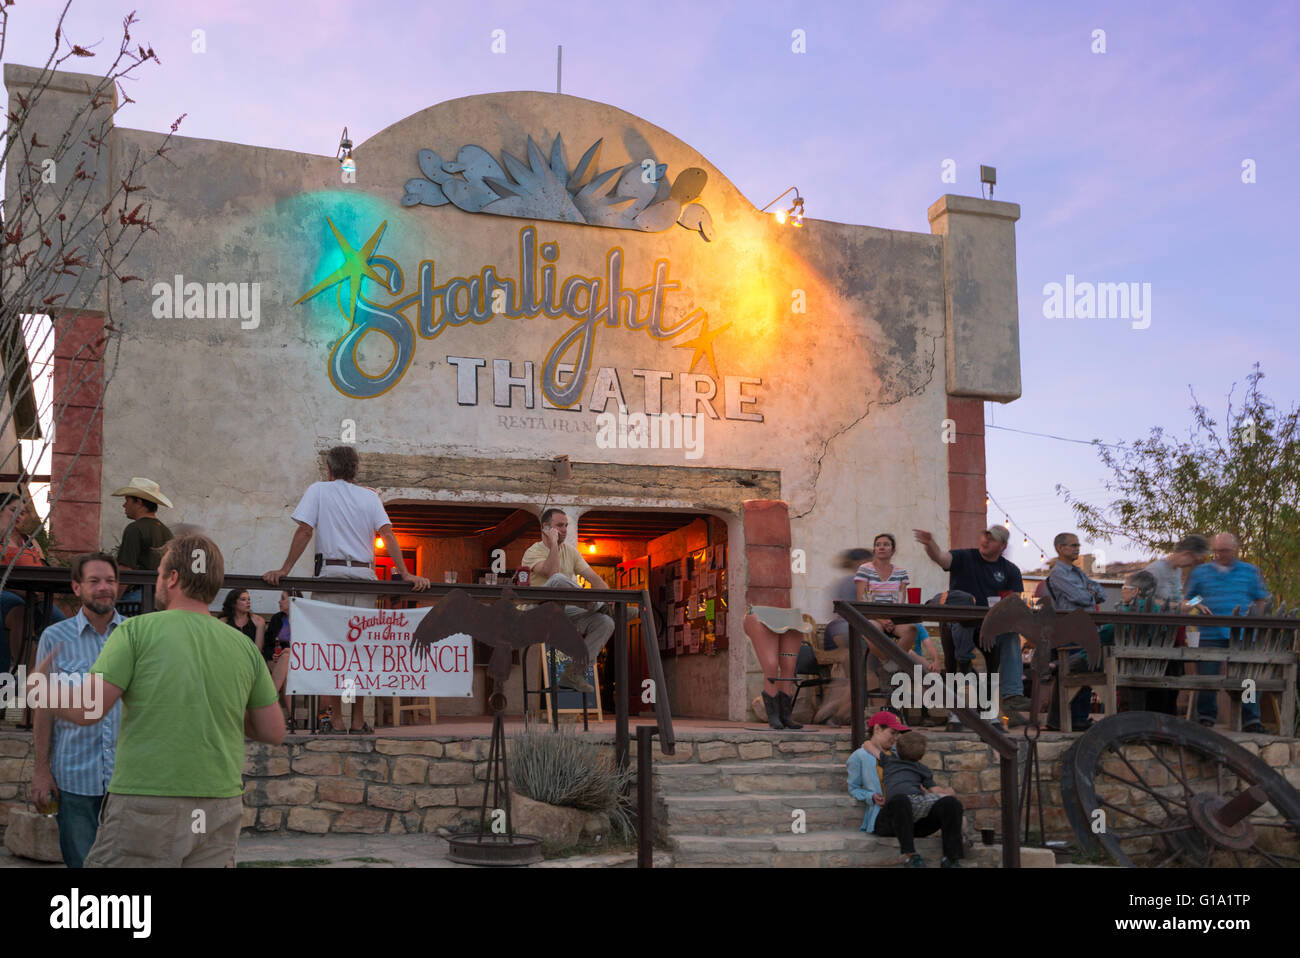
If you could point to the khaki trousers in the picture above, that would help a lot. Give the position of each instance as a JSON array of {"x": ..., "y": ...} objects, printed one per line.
[{"x": 164, "y": 831}]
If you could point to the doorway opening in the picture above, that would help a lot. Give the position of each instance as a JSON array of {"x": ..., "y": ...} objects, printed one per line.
[{"x": 679, "y": 557}]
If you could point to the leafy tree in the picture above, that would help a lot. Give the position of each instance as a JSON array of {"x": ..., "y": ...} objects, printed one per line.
[{"x": 1242, "y": 478}]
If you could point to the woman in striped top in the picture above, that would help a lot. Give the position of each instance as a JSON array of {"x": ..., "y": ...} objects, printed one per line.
[{"x": 881, "y": 581}]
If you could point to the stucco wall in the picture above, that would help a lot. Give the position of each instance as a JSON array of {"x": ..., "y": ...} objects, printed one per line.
[{"x": 843, "y": 326}]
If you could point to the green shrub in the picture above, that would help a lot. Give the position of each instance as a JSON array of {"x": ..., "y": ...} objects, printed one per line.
[{"x": 559, "y": 769}]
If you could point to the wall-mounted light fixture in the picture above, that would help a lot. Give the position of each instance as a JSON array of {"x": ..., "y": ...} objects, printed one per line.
[
  {"x": 344, "y": 153},
  {"x": 792, "y": 215},
  {"x": 562, "y": 468}
]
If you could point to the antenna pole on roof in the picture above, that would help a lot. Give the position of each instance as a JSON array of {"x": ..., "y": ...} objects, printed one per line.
[{"x": 559, "y": 62}]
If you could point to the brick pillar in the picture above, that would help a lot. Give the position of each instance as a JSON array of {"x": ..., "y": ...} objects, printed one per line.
[
  {"x": 767, "y": 552},
  {"x": 77, "y": 463},
  {"x": 967, "y": 483}
]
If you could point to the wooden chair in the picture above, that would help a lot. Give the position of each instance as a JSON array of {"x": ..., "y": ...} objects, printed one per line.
[
  {"x": 1067, "y": 681},
  {"x": 418, "y": 705}
]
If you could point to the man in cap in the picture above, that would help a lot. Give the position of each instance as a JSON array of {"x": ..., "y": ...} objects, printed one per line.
[
  {"x": 988, "y": 575},
  {"x": 145, "y": 535}
]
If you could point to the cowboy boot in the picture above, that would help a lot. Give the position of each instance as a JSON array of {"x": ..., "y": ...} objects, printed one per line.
[
  {"x": 770, "y": 704},
  {"x": 786, "y": 705}
]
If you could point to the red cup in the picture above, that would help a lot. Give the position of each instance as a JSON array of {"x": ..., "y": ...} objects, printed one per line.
[{"x": 914, "y": 596}]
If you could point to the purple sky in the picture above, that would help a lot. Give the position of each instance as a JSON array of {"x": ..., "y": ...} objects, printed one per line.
[{"x": 1127, "y": 164}]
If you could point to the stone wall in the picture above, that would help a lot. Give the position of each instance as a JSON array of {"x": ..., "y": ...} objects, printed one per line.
[{"x": 403, "y": 785}]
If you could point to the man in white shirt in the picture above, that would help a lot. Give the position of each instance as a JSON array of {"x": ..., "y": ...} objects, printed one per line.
[
  {"x": 345, "y": 519},
  {"x": 556, "y": 564}
]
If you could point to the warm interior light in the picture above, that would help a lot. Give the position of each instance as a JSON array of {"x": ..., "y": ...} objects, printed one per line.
[
  {"x": 591, "y": 548},
  {"x": 379, "y": 544}
]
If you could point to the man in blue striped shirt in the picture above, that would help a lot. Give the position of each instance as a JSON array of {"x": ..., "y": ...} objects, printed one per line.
[
  {"x": 75, "y": 762},
  {"x": 1224, "y": 585}
]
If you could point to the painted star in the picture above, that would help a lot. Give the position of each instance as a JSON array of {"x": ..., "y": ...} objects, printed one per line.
[
  {"x": 356, "y": 265},
  {"x": 703, "y": 346}
]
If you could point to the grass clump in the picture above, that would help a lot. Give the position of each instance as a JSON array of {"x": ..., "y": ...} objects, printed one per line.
[{"x": 559, "y": 769}]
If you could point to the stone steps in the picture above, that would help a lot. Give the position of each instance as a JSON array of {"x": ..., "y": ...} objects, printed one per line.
[
  {"x": 726, "y": 813},
  {"x": 837, "y": 848},
  {"x": 774, "y": 778},
  {"x": 757, "y": 745}
]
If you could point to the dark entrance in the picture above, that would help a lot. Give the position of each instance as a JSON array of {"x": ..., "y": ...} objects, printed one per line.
[{"x": 679, "y": 557}]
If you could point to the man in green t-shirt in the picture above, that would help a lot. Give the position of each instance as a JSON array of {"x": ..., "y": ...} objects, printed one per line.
[{"x": 191, "y": 689}]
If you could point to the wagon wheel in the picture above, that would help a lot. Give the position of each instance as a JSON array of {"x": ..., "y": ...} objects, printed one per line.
[{"x": 1174, "y": 794}]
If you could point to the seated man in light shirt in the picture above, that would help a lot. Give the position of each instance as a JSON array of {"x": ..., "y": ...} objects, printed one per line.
[
  {"x": 555, "y": 564},
  {"x": 1071, "y": 589}
]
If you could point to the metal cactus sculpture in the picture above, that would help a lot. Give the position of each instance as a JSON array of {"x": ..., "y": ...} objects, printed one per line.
[{"x": 638, "y": 196}]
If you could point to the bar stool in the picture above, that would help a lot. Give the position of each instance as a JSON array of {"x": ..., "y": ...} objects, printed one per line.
[
  {"x": 420, "y": 705},
  {"x": 547, "y": 679}
]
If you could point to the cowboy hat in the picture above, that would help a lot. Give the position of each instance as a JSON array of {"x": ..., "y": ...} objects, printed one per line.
[{"x": 144, "y": 489}]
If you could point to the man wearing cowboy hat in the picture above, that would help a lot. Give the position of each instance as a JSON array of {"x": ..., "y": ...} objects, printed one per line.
[{"x": 145, "y": 536}]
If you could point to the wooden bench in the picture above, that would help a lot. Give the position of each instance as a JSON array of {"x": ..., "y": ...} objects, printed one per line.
[{"x": 1267, "y": 656}]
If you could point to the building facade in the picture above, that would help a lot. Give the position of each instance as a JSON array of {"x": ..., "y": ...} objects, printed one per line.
[{"x": 515, "y": 278}]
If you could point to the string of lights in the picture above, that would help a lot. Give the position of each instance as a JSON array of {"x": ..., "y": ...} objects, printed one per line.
[{"x": 988, "y": 499}]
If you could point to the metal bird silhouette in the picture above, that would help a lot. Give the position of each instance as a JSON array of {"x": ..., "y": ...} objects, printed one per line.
[
  {"x": 500, "y": 626},
  {"x": 1047, "y": 631}
]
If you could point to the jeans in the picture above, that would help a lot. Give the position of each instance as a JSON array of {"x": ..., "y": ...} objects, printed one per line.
[
  {"x": 1011, "y": 673},
  {"x": 895, "y": 819},
  {"x": 1207, "y": 701},
  {"x": 78, "y": 820}
]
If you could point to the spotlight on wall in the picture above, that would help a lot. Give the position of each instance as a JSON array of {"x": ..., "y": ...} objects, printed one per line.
[
  {"x": 989, "y": 178},
  {"x": 344, "y": 153},
  {"x": 792, "y": 214}
]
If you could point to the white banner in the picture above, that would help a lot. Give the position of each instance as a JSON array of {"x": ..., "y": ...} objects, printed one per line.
[{"x": 337, "y": 649}]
